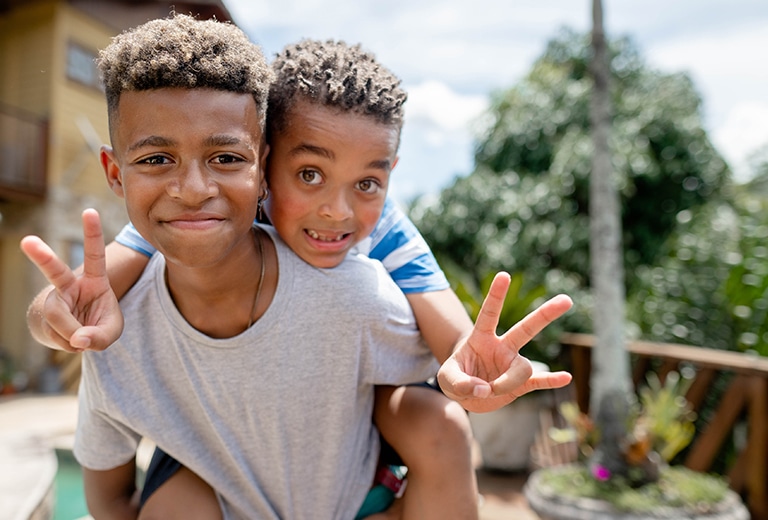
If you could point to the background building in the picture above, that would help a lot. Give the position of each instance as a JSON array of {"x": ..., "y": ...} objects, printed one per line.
[{"x": 52, "y": 122}]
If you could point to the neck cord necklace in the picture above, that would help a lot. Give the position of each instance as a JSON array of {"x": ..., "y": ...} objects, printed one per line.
[{"x": 261, "y": 277}]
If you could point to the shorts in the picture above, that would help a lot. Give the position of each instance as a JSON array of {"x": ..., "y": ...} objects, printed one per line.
[
  {"x": 389, "y": 481},
  {"x": 387, "y": 485}
]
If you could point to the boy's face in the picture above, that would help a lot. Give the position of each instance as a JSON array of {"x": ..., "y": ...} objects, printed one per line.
[
  {"x": 328, "y": 173},
  {"x": 189, "y": 164}
]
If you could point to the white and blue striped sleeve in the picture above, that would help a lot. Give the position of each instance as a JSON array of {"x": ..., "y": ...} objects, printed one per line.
[
  {"x": 131, "y": 238},
  {"x": 397, "y": 244}
]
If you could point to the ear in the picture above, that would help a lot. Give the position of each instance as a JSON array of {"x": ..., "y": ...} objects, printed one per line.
[
  {"x": 263, "y": 167},
  {"x": 112, "y": 170},
  {"x": 394, "y": 163},
  {"x": 263, "y": 157}
]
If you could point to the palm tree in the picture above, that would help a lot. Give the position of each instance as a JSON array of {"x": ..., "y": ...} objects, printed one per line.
[{"x": 610, "y": 380}]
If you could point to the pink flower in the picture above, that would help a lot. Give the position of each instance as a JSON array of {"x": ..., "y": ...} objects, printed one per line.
[{"x": 601, "y": 473}]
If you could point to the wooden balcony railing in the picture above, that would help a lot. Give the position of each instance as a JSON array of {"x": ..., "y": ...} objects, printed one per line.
[
  {"x": 745, "y": 400},
  {"x": 23, "y": 148}
]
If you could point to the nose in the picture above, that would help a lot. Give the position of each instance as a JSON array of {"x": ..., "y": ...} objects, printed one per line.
[
  {"x": 336, "y": 206},
  {"x": 192, "y": 185}
]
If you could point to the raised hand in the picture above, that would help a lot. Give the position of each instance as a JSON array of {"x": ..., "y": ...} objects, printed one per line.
[
  {"x": 487, "y": 371},
  {"x": 78, "y": 311}
]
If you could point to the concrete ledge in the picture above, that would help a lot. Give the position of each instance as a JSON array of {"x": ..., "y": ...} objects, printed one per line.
[
  {"x": 26, "y": 478},
  {"x": 30, "y": 427}
]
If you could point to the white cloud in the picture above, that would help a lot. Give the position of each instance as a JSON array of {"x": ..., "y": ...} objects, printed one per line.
[
  {"x": 725, "y": 66},
  {"x": 436, "y": 104},
  {"x": 744, "y": 131}
]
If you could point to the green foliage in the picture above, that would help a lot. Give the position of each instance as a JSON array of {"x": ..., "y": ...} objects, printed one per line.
[
  {"x": 681, "y": 299},
  {"x": 524, "y": 207},
  {"x": 667, "y": 417},
  {"x": 746, "y": 287},
  {"x": 660, "y": 422},
  {"x": 710, "y": 286}
]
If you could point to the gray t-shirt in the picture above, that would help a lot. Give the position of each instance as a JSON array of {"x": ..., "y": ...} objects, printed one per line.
[{"x": 276, "y": 419}]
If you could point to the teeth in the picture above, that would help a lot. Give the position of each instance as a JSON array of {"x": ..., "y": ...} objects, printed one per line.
[{"x": 314, "y": 235}]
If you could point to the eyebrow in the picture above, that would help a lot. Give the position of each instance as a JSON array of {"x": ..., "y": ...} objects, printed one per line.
[
  {"x": 152, "y": 140},
  {"x": 383, "y": 164},
  {"x": 160, "y": 142},
  {"x": 304, "y": 148},
  {"x": 311, "y": 149},
  {"x": 222, "y": 140}
]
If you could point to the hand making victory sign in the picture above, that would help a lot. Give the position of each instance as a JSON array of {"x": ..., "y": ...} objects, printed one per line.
[
  {"x": 80, "y": 309},
  {"x": 487, "y": 371}
]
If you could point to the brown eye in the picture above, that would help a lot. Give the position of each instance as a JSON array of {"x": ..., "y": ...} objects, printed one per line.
[
  {"x": 310, "y": 177},
  {"x": 155, "y": 160},
  {"x": 368, "y": 186}
]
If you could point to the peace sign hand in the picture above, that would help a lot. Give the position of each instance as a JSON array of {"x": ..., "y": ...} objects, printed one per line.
[
  {"x": 78, "y": 311},
  {"x": 487, "y": 371}
]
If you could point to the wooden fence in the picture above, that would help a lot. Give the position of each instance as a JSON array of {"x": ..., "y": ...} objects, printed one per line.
[{"x": 745, "y": 400}]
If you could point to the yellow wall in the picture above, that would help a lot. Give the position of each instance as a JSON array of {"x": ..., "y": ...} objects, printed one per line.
[
  {"x": 25, "y": 57},
  {"x": 77, "y": 110},
  {"x": 33, "y": 56}
]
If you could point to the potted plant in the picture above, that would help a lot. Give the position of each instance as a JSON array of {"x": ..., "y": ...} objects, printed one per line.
[{"x": 660, "y": 424}]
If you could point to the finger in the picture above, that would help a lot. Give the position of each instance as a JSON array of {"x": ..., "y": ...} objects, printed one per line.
[
  {"x": 511, "y": 381},
  {"x": 56, "y": 340},
  {"x": 549, "y": 380},
  {"x": 544, "y": 381},
  {"x": 95, "y": 262},
  {"x": 55, "y": 271},
  {"x": 527, "y": 328},
  {"x": 488, "y": 317}
]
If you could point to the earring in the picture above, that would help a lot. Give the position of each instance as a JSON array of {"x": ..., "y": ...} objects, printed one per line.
[{"x": 259, "y": 215}]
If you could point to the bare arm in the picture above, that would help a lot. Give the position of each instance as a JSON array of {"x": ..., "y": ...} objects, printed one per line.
[
  {"x": 124, "y": 267},
  {"x": 79, "y": 309},
  {"x": 442, "y": 320},
  {"x": 112, "y": 494}
]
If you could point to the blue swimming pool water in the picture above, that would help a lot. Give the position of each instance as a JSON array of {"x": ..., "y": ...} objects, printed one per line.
[{"x": 70, "y": 498}]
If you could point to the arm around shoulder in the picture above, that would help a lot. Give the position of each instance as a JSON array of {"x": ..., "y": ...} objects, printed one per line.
[{"x": 442, "y": 319}]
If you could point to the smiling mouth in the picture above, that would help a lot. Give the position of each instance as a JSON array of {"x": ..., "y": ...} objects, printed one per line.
[{"x": 326, "y": 238}]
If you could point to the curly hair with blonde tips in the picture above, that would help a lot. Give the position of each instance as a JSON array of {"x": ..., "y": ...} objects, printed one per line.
[
  {"x": 333, "y": 74},
  {"x": 181, "y": 51}
]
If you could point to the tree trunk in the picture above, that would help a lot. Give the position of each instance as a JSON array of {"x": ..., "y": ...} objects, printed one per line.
[{"x": 610, "y": 381}]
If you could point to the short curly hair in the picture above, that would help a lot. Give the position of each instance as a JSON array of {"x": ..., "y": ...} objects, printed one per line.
[
  {"x": 334, "y": 74},
  {"x": 184, "y": 52}
]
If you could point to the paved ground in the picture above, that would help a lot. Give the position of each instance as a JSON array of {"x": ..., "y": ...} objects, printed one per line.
[
  {"x": 31, "y": 425},
  {"x": 503, "y": 497}
]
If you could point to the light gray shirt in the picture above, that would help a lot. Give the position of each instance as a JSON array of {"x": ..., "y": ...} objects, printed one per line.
[{"x": 276, "y": 419}]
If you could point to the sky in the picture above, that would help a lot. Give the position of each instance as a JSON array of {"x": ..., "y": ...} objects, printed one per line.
[{"x": 453, "y": 54}]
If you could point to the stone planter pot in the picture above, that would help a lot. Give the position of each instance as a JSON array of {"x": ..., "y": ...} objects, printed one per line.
[
  {"x": 552, "y": 506},
  {"x": 505, "y": 436}
]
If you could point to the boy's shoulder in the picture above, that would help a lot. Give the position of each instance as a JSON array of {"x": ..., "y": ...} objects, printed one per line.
[
  {"x": 357, "y": 280},
  {"x": 154, "y": 269}
]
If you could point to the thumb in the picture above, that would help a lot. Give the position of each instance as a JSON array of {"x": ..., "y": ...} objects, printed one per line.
[
  {"x": 458, "y": 385},
  {"x": 100, "y": 336}
]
